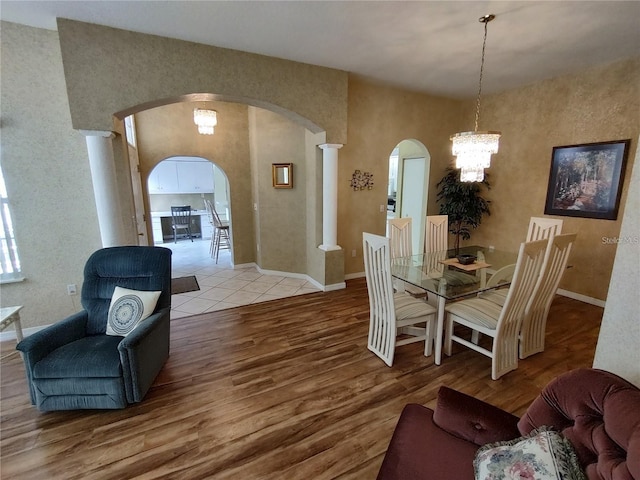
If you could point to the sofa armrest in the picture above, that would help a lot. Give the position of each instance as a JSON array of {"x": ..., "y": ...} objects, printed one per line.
[
  {"x": 473, "y": 420},
  {"x": 143, "y": 353},
  {"x": 41, "y": 343}
]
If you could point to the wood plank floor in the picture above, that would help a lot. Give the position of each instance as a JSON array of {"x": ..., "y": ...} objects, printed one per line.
[{"x": 279, "y": 390}]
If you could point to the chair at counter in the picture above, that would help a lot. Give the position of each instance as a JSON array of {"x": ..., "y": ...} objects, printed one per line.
[{"x": 181, "y": 221}]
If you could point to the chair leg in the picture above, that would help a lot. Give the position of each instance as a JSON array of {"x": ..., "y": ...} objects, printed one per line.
[
  {"x": 448, "y": 331},
  {"x": 216, "y": 244}
]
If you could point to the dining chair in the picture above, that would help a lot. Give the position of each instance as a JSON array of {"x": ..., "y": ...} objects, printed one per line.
[
  {"x": 395, "y": 319},
  {"x": 501, "y": 323},
  {"x": 542, "y": 227},
  {"x": 181, "y": 221},
  {"x": 436, "y": 239},
  {"x": 501, "y": 275},
  {"x": 436, "y": 233},
  {"x": 400, "y": 237},
  {"x": 400, "y": 241},
  {"x": 532, "y": 331}
]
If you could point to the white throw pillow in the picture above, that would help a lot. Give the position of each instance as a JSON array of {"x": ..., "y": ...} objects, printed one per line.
[
  {"x": 128, "y": 308},
  {"x": 542, "y": 455}
]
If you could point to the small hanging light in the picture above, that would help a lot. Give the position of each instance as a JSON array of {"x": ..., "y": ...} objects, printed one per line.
[
  {"x": 206, "y": 120},
  {"x": 473, "y": 150}
]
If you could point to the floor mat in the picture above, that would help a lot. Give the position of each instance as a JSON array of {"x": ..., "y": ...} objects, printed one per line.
[{"x": 184, "y": 284}]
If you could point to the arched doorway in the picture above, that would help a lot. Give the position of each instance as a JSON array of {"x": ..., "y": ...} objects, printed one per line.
[
  {"x": 408, "y": 187},
  {"x": 186, "y": 180}
]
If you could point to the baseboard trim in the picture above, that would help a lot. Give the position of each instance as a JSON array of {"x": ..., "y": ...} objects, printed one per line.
[
  {"x": 581, "y": 298},
  {"x": 304, "y": 276},
  {"x": 351, "y": 276},
  {"x": 334, "y": 286}
]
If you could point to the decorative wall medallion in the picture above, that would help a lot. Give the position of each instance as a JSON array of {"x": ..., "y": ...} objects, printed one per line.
[{"x": 361, "y": 180}]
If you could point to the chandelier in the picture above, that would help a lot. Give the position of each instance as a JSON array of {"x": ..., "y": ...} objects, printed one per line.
[
  {"x": 205, "y": 120},
  {"x": 473, "y": 150}
]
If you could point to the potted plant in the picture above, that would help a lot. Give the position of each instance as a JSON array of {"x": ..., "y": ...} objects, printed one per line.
[{"x": 462, "y": 202}]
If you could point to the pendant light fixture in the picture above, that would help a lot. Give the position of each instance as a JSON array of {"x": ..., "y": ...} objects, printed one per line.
[
  {"x": 206, "y": 120},
  {"x": 473, "y": 150}
]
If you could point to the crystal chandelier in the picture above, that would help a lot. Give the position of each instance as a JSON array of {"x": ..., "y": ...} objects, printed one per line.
[
  {"x": 205, "y": 120},
  {"x": 473, "y": 150}
]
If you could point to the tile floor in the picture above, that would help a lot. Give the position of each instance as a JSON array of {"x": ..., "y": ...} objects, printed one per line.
[{"x": 222, "y": 286}]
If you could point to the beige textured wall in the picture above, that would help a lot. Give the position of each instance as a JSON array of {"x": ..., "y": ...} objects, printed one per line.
[
  {"x": 46, "y": 169},
  {"x": 596, "y": 105},
  {"x": 169, "y": 131},
  {"x": 281, "y": 229},
  {"x": 150, "y": 69},
  {"x": 380, "y": 118},
  {"x": 617, "y": 349}
]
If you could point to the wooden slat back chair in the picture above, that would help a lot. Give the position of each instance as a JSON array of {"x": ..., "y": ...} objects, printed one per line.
[
  {"x": 502, "y": 324},
  {"x": 436, "y": 239},
  {"x": 400, "y": 237},
  {"x": 395, "y": 319},
  {"x": 542, "y": 227},
  {"x": 436, "y": 234},
  {"x": 502, "y": 274},
  {"x": 181, "y": 221},
  {"x": 401, "y": 245},
  {"x": 532, "y": 331}
]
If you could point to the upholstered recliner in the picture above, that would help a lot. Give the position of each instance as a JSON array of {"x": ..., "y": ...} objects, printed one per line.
[
  {"x": 596, "y": 411},
  {"x": 75, "y": 364}
]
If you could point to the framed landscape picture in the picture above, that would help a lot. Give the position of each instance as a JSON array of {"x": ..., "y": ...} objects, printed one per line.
[{"x": 586, "y": 180}]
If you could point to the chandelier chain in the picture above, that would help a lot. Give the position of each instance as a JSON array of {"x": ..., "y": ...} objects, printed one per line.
[{"x": 484, "y": 44}]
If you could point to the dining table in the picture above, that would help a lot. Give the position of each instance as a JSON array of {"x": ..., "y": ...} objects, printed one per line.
[{"x": 445, "y": 279}]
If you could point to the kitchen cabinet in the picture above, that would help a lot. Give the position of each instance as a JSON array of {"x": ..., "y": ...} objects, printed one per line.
[
  {"x": 195, "y": 177},
  {"x": 164, "y": 178},
  {"x": 181, "y": 177}
]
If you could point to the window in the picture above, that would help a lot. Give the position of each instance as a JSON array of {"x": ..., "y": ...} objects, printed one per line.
[
  {"x": 9, "y": 260},
  {"x": 130, "y": 127}
]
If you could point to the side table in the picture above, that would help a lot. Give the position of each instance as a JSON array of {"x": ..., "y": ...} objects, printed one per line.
[{"x": 8, "y": 316}]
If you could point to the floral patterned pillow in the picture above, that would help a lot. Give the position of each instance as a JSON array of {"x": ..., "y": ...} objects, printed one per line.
[{"x": 542, "y": 455}]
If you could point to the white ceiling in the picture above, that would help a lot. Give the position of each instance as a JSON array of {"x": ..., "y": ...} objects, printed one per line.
[{"x": 429, "y": 46}]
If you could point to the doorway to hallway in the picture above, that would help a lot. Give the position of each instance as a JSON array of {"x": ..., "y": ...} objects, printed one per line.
[{"x": 409, "y": 169}]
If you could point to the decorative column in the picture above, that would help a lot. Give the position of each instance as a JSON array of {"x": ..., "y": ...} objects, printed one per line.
[
  {"x": 330, "y": 196},
  {"x": 105, "y": 187}
]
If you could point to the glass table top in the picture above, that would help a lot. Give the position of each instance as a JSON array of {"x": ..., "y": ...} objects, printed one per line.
[{"x": 440, "y": 272}]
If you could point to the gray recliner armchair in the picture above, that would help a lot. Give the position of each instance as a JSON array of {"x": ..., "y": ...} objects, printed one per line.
[{"x": 75, "y": 364}]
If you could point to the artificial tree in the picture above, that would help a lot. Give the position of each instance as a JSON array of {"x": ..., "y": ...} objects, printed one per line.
[{"x": 463, "y": 203}]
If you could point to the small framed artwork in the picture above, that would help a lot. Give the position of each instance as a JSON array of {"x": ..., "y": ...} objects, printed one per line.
[
  {"x": 282, "y": 174},
  {"x": 586, "y": 180}
]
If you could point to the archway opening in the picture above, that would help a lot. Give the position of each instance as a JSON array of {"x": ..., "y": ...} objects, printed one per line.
[{"x": 408, "y": 187}]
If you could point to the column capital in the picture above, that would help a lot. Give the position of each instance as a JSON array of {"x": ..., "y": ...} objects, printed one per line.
[
  {"x": 331, "y": 145},
  {"x": 97, "y": 133}
]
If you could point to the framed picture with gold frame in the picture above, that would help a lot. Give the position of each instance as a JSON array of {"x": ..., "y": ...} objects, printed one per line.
[{"x": 282, "y": 174}]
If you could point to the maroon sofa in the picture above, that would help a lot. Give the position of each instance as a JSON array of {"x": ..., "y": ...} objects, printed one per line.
[{"x": 597, "y": 411}]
